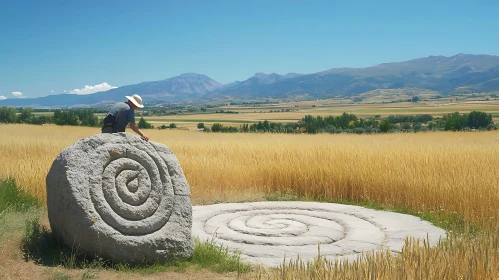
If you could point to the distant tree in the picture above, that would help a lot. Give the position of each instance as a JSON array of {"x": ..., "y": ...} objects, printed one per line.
[
  {"x": 8, "y": 115},
  {"x": 385, "y": 125},
  {"x": 432, "y": 125},
  {"x": 144, "y": 124},
  {"x": 417, "y": 126},
  {"x": 203, "y": 109},
  {"x": 200, "y": 125},
  {"x": 406, "y": 125},
  {"x": 67, "y": 117},
  {"x": 415, "y": 99},
  {"x": 454, "y": 121},
  {"x": 41, "y": 120},
  {"x": 423, "y": 118},
  {"x": 86, "y": 117},
  {"x": 492, "y": 126},
  {"x": 478, "y": 119},
  {"x": 245, "y": 128},
  {"x": 173, "y": 125},
  {"x": 26, "y": 115},
  {"x": 266, "y": 125},
  {"x": 217, "y": 127}
]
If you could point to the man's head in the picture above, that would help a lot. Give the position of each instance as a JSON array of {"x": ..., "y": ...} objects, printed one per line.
[{"x": 135, "y": 101}]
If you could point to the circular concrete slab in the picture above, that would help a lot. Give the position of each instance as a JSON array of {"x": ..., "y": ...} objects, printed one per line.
[{"x": 265, "y": 232}]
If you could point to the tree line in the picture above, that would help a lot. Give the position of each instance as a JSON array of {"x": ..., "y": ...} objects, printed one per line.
[
  {"x": 345, "y": 123},
  {"x": 74, "y": 117},
  {"x": 81, "y": 117},
  {"x": 350, "y": 123}
]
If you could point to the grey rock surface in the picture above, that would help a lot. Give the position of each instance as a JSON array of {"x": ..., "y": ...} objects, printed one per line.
[
  {"x": 266, "y": 232},
  {"x": 121, "y": 198}
]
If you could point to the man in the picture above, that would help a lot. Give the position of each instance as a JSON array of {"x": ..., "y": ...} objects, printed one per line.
[{"x": 123, "y": 113}]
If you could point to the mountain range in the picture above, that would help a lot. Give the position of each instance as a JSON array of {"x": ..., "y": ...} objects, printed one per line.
[{"x": 459, "y": 73}]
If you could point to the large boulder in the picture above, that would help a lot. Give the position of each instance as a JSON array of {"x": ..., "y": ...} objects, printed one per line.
[{"x": 121, "y": 198}]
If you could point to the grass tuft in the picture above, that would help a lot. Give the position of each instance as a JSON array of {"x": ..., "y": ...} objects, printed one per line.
[
  {"x": 14, "y": 199},
  {"x": 16, "y": 206},
  {"x": 217, "y": 258}
]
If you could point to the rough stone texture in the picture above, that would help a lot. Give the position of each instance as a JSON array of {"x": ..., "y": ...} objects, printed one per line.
[
  {"x": 265, "y": 232},
  {"x": 121, "y": 198}
]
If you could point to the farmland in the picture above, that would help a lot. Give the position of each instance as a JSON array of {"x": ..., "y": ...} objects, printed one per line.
[
  {"x": 380, "y": 103},
  {"x": 426, "y": 171},
  {"x": 294, "y": 111},
  {"x": 447, "y": 177}
]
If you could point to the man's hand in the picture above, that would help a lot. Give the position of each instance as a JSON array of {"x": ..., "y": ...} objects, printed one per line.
[{"x": 134, "y": 127}]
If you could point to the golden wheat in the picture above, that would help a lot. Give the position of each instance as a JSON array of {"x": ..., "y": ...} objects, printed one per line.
[
  {"x": 456, "y": 258},
  {"x": 453, "y": 172},
  {"x": 449, "y": 172}
]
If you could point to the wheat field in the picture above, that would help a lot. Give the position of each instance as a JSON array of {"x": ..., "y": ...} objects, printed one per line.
[
  {"x": 450, "y": 172},
  {"x": 447, "y": 171}
]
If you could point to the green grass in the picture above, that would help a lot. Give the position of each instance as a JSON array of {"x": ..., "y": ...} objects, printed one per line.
[
  {"x": 209, "y": 255},
  {"x": 89, "y": 274},
  {"x": 55, "y": 275},
  {"x": 198, "y": 121},
  {"x": 11, "y": 222},
  {"x": 59, "y": 276},
  {"x": 14, "y": 199},
  {"x": 15, "y": 207}
]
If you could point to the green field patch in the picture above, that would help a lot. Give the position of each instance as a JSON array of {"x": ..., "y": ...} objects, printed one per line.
[
  {"x": 198, "y": 121},
  {"x": 43, "y": 114}
]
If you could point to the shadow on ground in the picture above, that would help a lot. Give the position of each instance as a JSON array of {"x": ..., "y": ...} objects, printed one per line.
[{"x": 40, "y": 245}]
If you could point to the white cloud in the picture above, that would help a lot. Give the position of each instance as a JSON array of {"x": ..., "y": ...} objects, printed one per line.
[
  {"x": 92, "y": 89},
  {"x": 17, "y": 93},
  {"x": 2, "y": 97},
  {"x": 52, "y": 91}
]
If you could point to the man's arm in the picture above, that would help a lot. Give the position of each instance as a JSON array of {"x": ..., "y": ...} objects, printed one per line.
[{"x": 134, "y": 127}]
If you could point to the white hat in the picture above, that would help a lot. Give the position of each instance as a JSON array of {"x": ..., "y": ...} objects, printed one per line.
[{"x": 136, "y": 99}]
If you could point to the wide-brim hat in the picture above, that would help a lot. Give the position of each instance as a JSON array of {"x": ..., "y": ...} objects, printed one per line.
[{"x": 136, "y": 100}]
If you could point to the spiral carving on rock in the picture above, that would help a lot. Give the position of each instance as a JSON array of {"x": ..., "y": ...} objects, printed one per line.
[
  {"x": 265, "y": 232},
  {"x": 136, "y": 196},
  {"x": 120, "y": 197}
]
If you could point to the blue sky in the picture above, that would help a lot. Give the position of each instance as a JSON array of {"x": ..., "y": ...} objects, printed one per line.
[{"x": 48, "y": 47}]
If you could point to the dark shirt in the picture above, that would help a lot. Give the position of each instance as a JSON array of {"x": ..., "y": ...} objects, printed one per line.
[{"x": 125, "y": 116}]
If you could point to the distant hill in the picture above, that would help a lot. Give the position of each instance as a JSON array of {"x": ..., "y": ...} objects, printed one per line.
[
  {"x": 462, "y": 72},
  {"x": 249, "y": 87},
  {"x": 439, "y": 73},
  {"x": 184, "y": 87}
]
